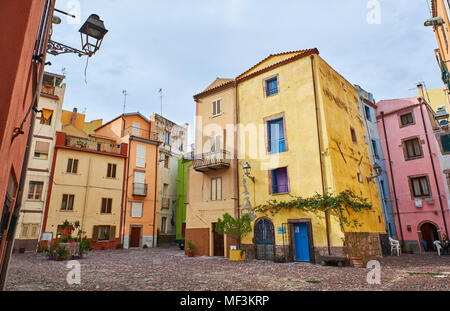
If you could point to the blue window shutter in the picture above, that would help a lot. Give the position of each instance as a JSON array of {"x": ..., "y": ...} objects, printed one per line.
[
  {"x": 274, "y": 182},
  {"x": 445, "y": 140},
  {"x": 276, "y": 136}
]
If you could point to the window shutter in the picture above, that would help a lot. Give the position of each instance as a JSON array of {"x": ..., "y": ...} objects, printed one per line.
[
  {"x": 136, "y": 209},
  {"x": 69, "y": 166},
  {"x": 140, "y": 156},
  {"x": 219, "y": 189},
  {"x": 214, "y": 111},
  {"x": 42, "y": 147},
  {"x": 213, "y": 189},
  {"x": 218, "y": 108},
  {"x": 136, "y": 130},
  {"x": 75, "y": 166},
  {"x": 112, "y": 233},
  {"x": 114, "y": 169},
  {"x": 95, "y": 234}
]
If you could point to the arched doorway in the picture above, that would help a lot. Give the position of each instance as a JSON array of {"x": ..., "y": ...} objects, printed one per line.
[
  {"x": 264, "y": 239},
  {"x": 429, "y": 234}
]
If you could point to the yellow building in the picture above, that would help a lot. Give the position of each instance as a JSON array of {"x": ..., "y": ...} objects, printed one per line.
[
  {"x": 437, "y": 98},
  {"x": 301, "y": 133},
  {"x": 87, "y": 186},
  {"x": 212, "y": 183},
  {"x": 78, "y": 120}
]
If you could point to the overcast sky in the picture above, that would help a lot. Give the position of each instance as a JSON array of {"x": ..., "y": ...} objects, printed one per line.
[{"x": 182, "y": 46}]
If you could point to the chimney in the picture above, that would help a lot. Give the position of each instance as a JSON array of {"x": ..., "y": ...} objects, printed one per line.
[
  {"x": 421, "y": 92},
  {"x": 74, "y": 116}
]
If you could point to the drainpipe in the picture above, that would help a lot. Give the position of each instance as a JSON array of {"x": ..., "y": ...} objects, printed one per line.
[
  {"x": 124, "y": 185},
  {"x": 126, "y": 193},
  {"x": 236, "y": 160},
  {"x": 392, "y": 175},
  {"x": 327, "y": 225},
  {"x": 433, "y": 166},
  {"x": 154, "y": 198}
]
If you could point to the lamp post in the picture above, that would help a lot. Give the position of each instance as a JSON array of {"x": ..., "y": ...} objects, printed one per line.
[
  {"x": 247, "y": 170},
  {"x": 92, "y": 33}
]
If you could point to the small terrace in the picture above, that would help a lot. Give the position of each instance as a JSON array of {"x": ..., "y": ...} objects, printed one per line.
[
  {"x": 85, "y": 143},
  {"x": 141, "y": 133},
  {"x": 212, "y": 161}
]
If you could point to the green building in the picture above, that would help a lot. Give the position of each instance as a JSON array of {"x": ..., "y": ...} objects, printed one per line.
[{"x": 183, "y": 166}]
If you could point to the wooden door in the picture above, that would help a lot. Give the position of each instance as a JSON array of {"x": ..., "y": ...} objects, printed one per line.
[
  {"x": 135, "y": 237},
  {"x": 218, "y": 243}
]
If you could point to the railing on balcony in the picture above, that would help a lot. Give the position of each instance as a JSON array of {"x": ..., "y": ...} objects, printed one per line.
[
  {"x": 141, "y": 133},
  {"x": 165, "y": 203},
  {"x": 212, "y": 161},
  {"x": 140, "y": 189},
  {"x": 48, "y": 89},
  {"x": 84, "y": 143}
]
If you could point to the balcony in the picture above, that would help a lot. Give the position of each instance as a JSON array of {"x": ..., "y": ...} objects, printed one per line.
[
  {"x": 48, "y": 89},
  {"x": 141, "y": 133},
  {"x": 212, "y": 161},
  {"x": 165, "y": 204},
  {"x": 84, "y": 143},
  {"x": 140, "y": 189}
]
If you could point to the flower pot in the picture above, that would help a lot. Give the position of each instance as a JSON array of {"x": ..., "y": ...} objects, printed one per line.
[
  {"x": 357, "y": 262},
  {"x": 237, "y": 255},
  {"x": 22, "y": 250},
  {"x": 190, "y": 253}
]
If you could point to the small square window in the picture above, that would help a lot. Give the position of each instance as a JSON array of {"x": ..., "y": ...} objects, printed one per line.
[
  {"x": 353, "y": 132},
  {"x": 280, "y": 181},
  {"x": 271, "y": 86},
  {"x": 420, "y": 187},
  {"x": 413, "y": 148},
  {"x": 407, "y": 119}
]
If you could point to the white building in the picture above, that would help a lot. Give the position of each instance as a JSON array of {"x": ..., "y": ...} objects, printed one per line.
[
  {"x": 40, "y": 161},
  {"x": 174, "y": 140}
]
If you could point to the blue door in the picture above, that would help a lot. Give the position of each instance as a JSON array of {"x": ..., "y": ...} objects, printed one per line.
[{"x": 301, "y": 242}]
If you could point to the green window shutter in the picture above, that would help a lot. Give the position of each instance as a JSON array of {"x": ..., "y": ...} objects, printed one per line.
[{"x": 445, "y": 140}]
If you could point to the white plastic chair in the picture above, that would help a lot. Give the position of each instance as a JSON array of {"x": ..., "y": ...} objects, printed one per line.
[
  {"x": 395, "y": 245},
  {"x": 438, "y": 246}
]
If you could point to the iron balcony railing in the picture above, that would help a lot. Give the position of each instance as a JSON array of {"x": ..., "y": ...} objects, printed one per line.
[
  {"x": 48, "y": 89},
  {"x": 212, "y": 161},
  {"x": 84, "y": 143},
  {"x": 140, "y": 189},
  {"x": 141, "y": 133}
]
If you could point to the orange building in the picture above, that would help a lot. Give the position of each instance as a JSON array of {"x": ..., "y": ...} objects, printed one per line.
[
  {"x": 141, "y": 180},
  {"x": 25, "y": 26}
]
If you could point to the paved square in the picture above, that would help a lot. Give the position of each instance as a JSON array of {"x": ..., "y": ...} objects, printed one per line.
[{"x": 165, "y": 269}]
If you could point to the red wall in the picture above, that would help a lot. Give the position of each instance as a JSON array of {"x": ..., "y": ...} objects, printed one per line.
[{"x": 19, "y": 21}]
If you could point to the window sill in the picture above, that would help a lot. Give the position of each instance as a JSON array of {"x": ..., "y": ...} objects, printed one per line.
[
  {"x": 415, "y": 158},
  {"x": 281, "y": 193},
  {"x": 217, "y": 115},
  {"x": 267, "y": 96},
  {"x": 65, "y": 211}
]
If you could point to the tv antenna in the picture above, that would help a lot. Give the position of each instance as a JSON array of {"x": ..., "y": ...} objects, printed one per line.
[
  {"x": 125, "y": 94},
  {"x": 161, "y": 98}
]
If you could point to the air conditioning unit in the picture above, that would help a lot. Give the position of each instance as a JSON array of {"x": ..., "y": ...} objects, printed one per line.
[{"x": 418, "y": 203}]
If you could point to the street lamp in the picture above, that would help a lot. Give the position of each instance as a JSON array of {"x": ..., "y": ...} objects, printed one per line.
[
  {"x": 435, "y": 21},
  {"x": 247, "y": 170},
  {"x": 378, "y": 171},
  {"x": 92, "y": 33}
]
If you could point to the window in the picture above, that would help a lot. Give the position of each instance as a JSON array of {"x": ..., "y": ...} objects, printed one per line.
[
  {"x": 413, "y": 148},
  {"x": 279, "y": 181},
  {"x": 445, "y": 143},
  {"x": 407, "y": 119},
  {"x": 136, "y": 129},
  {"x": 41, "y": 150},
  {"x": 106, "y": 206},
  {"x": 216, "y": 189},
  {"x": 165, "y": 190},
  {"x": 140, "y": 155},
  {"x": 383, "y": 191},
  {"x": 276, "y": 136},
  {"x": 35, "y": 190},
  {"x": 111, "y": 173},
  {"x": 216, "y": 143},
  {"x": 367, "y": 111},
  {"x": 359, "y": 176},
  {"x": 30, "y": 231},
  {"x": 72, "y": 166},
  {"x": 352, "y": 130},
  {"x": 420, "y": 187},
  {"x": 374, "y": 147},
  {"x": 137, "y": 209},
  {"x": 104, "y": 233},
  {"x": 271, "y": 86},
  {"x": 67, "y": 202},
  {"x": 166, "y": 161},
  {"x": 47, "y": 116},
  {"x": 163, "y": 224},
  {"x": 217, "y": 107},
  {"x": 167, "y": 138},
  {"x": 180, "y": 144}
]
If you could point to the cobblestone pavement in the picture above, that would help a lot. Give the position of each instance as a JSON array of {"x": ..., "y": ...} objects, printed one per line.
[{"x": 166, "y": 269}]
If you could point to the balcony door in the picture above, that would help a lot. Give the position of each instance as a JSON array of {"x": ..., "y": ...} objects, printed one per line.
[{"x": 139, "y": 183}]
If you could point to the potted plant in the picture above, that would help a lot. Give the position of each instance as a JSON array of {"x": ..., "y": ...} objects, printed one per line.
[
  {"x": 119, "y": 246},
  {"x": 190, "y": 248},
  {"x": 235, "y": 228},
  {"x": 280, "y": 258},
  {"x": 61, "y": 253},
  {"x": 411, "y": 250}
]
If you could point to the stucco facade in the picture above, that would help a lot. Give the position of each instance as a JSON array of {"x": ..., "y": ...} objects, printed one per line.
[
  {"x": 319, "y": 110},
  {"x": 406, "y": 127},
  {"x": 369, "y": 114},
  {"x": 141, "y": 177},
  {"x": 29, "y": 225},
  {"x": 87, "y": 186},
  {"x": 212, "y": 176},
  {"x": 173, "y": 138}
]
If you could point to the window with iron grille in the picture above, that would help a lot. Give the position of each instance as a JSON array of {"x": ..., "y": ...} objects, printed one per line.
[
  {"x": 279, "y": 181},
  {"x": 271, "y": 86}
]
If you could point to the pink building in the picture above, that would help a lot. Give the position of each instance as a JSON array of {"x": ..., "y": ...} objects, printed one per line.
[{"x": 415, "y": 175}]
